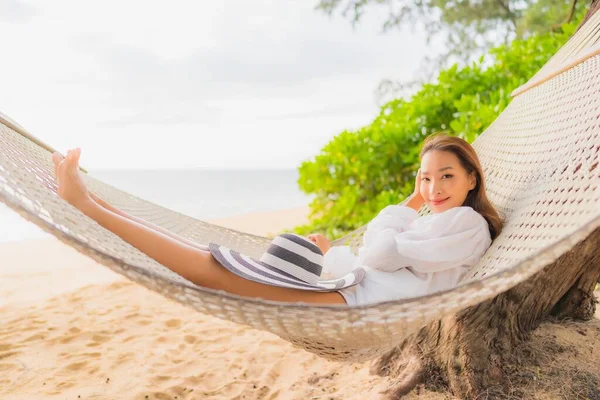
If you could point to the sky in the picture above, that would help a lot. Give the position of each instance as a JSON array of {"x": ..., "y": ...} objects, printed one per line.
[{"x": 197, "y": 84}]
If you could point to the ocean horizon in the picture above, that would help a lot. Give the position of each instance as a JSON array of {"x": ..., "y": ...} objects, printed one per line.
[{"x": 200, "y": 193}]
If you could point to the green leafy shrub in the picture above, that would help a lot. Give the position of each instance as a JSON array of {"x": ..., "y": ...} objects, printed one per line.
[{"x": 358, "y": 173}]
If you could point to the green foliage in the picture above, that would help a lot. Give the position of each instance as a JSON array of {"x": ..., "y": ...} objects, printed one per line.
[
  {"x": 470, "y": 28},
  {"x": 359, "y": 173}
]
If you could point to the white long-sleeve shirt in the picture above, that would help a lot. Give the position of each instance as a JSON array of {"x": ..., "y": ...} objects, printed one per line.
[{"x": 405, "y": 255}]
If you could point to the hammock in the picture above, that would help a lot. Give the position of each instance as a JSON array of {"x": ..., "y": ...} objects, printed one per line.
[{"x": 540, "y": 160}]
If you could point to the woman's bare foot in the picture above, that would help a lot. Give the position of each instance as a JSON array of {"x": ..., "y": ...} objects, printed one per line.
[{"x": 71, "y": 186}]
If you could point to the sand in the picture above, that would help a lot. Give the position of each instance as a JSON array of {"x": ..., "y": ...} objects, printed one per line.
[{"x": 71, "y": 328}]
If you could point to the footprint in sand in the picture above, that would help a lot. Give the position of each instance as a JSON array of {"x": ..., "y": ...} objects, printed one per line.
[
  {"x": 100, "y": 338},
  {"x": 76, "y": 366},
  {"x": 161, "y": 339},
  {"x": 38, "y": 336},
  {"x": 68, "y": 339},
  {"x": 124, "y": 357},
  {"x": 173, "y": 323},
  {"x": 190, "y": 339},
  {"x": 6, "y": 367},
  {"x": 160, "y": 378},
  {"x": 193, "y": 380},
  {"x": 8, "y": 354},
  {"x": 97, "y": 340},
  {"x": 63, "y": 385}
]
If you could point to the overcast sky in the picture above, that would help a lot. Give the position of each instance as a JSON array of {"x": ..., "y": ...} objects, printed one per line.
[{"x": 205, "y": 84}]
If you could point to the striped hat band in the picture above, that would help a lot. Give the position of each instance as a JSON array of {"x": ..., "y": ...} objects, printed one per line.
[
  {"x": 290, "y": 261},
  {"x": 295, "y": 255}
]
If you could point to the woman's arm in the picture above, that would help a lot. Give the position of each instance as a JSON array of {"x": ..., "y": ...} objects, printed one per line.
[
  {"x": 415, "y": 202},
  {"x": 150, "y": 225}
]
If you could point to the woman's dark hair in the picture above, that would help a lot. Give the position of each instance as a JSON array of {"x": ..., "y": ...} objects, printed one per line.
[{"x": 477, "y": 198}]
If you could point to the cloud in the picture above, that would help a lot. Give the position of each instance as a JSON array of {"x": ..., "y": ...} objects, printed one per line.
[
  {"x": 15, "y": 11},
  {"x": 267, "y": 64},
  {"x": 203, "y": 114},
  {"x": 330, "y": 110},
  {"x": 253, "y": 47},
  {"x": 207, "y": 74},
  {"x": 147, "y": 82}
]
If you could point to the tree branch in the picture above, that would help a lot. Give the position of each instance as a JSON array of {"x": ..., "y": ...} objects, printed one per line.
[
  {"x": 509, "y": 13},
  {"x": 569, "y": 17},
  {"x": 572, "y": 11}
]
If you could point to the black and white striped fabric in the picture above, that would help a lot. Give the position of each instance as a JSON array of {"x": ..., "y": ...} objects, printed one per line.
[{"x": 291, "y": 261}]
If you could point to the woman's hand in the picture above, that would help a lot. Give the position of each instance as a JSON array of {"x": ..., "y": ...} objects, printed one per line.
[
  {"x": 71, "y": 186},
  {"x": 416, "y": 200},
  {"x": 417, "y": 191},
  {"x": 321, "y": 241}
]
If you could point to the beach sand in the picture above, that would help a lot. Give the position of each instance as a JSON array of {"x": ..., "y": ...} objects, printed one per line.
[{"x": 73, "y": 329}]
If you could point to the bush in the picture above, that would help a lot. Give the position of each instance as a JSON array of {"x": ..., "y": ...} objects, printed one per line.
[{"x": 359, "y": 173}]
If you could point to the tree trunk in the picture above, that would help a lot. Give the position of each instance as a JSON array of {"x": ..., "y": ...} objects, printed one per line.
[
  {"x": 579, "y": 302},
  {"x": 594, "y": 7},
  {"x": 471, "y": 352}
]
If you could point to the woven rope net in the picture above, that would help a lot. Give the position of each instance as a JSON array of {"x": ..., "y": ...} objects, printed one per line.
[{"x": 540, "y": 160}]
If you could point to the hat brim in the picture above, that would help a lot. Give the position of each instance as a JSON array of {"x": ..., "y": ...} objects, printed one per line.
[{"x": 255, "y": 270}]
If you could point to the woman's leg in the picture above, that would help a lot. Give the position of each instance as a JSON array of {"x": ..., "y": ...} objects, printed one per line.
[
  {"x": 226, "y": 280},
  {"x": 150, "y": 225},
  {"x": 194, "y": 264},
  {"x": 171, "y": 253}
]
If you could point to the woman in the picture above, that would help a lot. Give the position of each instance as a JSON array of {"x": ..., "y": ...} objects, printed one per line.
[{"x": 450, "y": 181}]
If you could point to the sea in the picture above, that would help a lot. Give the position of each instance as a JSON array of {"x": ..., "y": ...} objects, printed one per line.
[{"x": 200, "y": 193}]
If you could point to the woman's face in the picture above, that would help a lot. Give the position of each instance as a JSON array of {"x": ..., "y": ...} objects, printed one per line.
[{"x": 445, "y": 184}]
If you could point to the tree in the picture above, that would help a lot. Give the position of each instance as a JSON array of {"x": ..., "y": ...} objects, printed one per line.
[
  {"x": 474, "y": 349},
  {"x": 470, "y": 28}
]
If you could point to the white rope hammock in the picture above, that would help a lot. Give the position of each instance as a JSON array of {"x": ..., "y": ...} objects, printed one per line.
[{"x": 541, "y": 164}]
